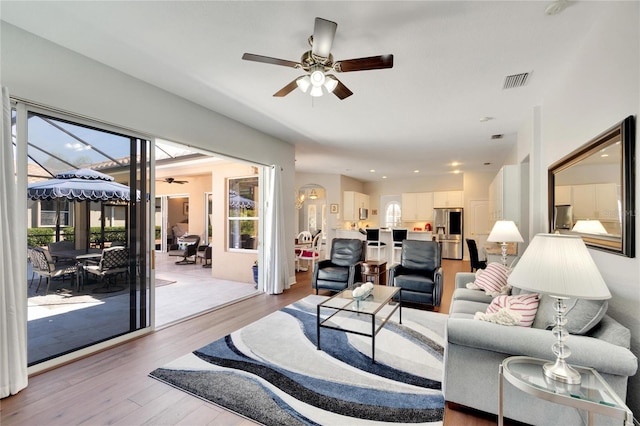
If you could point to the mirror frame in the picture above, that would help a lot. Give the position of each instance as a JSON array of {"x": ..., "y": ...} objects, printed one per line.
[{"x": 626, "y": 130}]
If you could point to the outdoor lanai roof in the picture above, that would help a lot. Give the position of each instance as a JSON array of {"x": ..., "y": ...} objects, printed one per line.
[{"x": 56, "y": 146}]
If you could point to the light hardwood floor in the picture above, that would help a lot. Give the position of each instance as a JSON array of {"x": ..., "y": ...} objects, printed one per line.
[{"x": 113, "y": 387}]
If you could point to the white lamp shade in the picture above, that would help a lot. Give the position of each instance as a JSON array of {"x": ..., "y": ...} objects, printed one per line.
[
  {"x": 505, "y": 231},
  {"x": 304, "y": 83},
  {"x": 330, "y": 83},
  {"x": 559, "y": 265},
  {"x": 316, "y": 91},
  {"x": 589, "y": 227}
]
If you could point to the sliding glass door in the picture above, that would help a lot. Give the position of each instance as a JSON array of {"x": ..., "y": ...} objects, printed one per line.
[{"x": 92, "y": 225}]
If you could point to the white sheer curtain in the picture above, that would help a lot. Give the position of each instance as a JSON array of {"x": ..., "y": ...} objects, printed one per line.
[
  {"x": 275, "y": 270},
  {"x": 13, "y": 273}
]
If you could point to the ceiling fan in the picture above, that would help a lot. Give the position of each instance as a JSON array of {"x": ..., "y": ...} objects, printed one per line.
[
  {"x": 172, "y": 180},
  {"x": 318, "y": 61}
]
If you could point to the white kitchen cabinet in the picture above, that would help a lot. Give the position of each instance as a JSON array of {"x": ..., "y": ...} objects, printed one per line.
[
  {"x": 444, "y": 199},
  {"x": 596, "y": 201},
  {"x": 352, "y": 202},
  {"x": 417, "y": 206},
  {"x": 607, "y": 196},
  {"x": 584, "y": 202},
  {"x": 562, "y": 195}
]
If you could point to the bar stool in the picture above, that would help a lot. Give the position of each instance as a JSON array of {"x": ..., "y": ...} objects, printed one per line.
[
  {"x": 374, "y": 243},
  {"x": 399, "y": 235}
]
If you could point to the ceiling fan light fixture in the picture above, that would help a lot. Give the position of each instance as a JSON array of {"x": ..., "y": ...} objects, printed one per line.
[
  {"x": 316, "y": 91},
  {"x": 317, "y": 78},
  {"x": 330, "y": 83},
  {"x": 304, "y": 83}
]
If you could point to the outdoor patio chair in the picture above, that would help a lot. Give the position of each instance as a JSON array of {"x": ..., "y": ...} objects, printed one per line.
[
  {"x": 114, "y": 261},
  {"x": 42, "y": 264},
  {"x": 204, "y": 255},
  {"x": 57, "y": 250},
  {"x": 187, "y": 248}
]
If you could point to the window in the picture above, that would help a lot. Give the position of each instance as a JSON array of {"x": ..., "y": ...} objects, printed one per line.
[
  {"x": 393, "y": 215},
  {"x": 243, "y": 213},
  {"x": 48, "y": 212}
]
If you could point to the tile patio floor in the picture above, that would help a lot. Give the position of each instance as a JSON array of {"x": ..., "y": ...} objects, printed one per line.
[{"x": 54, "y": 328}]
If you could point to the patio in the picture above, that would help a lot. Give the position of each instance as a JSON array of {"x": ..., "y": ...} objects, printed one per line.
[{"x": 66, "y": 319}]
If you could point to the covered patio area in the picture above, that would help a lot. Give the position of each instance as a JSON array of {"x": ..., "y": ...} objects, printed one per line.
[{"x": 65, "y": 318}]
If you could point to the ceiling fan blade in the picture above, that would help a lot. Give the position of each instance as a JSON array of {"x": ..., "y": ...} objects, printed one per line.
[
  {"x": 323, "y": 34},
  {"x": 363, "y": 64},
  {"x": 286, "y": 89},
  {"x": 270, "y": 60},
  {"x": 341, "y": 91}
]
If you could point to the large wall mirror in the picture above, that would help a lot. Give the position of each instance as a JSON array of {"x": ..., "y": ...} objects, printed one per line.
[{"x": 592, "y": 191}]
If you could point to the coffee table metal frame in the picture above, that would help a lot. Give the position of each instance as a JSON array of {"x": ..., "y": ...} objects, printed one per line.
[{"x": 346, "y": 306}]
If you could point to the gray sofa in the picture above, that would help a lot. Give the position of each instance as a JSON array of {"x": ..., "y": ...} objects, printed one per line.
[{"x": 475, "y": 349}]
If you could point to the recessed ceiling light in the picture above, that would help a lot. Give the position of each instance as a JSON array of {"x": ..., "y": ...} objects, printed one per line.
[
  {"x": 604, "y": 155},
  {"x": 485, "y": 119},
  {"x": 456, "y": 171},
  {"x": 416, "y": 171},
  {"x": 455, "y": 164},
  {"x": 372, "y": 170},
  {"x": 384, "y": 177}
]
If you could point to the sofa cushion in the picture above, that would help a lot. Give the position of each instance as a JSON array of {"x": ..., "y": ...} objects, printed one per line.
[
  {"x": 473, "y": 295},
  {"x": 520, "y": 309},
  {"x": 581, "y": 314},
  {"x": 467, "y": 307},
  {"x": 493, "y": 279}
]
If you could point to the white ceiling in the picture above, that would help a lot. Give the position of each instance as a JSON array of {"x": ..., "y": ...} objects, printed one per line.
[{"x": 450, "y": 62}]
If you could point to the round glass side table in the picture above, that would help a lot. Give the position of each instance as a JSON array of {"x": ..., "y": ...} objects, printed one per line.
[{"x": 593, "y": 394}]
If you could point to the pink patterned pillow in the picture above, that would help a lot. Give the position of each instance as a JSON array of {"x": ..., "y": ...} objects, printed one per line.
[
  {"x": 492, "y": 279},
  {"x": 525, "y": 305}
]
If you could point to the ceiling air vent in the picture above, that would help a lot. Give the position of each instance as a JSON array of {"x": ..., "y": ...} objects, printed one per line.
[
  {"x": 515, "y": 80},
  {"x": 498, "y": 136}
]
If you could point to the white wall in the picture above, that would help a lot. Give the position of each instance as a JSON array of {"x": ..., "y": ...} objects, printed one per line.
[
  {"x": 601, "y": 88},
  {"x": 40, "y": 71}
]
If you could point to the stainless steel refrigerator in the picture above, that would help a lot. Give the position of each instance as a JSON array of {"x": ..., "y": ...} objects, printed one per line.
[
  {"x": 448, "y": 227},
  {"x": 563, "y": 217}
]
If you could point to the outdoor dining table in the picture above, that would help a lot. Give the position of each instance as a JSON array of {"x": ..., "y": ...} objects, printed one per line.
[{"x": 82, "y": 258}]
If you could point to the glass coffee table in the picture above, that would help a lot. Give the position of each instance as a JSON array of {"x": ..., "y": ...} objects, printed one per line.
[{"x": 365, "y": 318}]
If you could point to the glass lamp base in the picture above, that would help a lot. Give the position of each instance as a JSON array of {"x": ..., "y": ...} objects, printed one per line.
[{"x": 562, "y": 372}]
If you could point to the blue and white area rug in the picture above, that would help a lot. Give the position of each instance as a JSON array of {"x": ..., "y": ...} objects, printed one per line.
[{"x": 271, "y": 372}]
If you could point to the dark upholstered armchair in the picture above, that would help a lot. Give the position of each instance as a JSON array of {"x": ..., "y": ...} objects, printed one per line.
[
  {"x": 419, "y": 272},
  {"x": 186, "y": 248},
  {"x": 342, "y": 268}
]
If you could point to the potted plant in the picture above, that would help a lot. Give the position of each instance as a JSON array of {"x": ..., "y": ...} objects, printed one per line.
[{"x": 255, "y": 273}]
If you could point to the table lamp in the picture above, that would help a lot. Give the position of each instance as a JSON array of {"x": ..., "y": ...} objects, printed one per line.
[
  {"x": 589, "y": 227},
  {"x": 559, "y": 265},
  {"x": 504, "y": 232}
]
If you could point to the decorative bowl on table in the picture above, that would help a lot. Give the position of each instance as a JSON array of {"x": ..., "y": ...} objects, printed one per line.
[{"x": 362, "y": 292}]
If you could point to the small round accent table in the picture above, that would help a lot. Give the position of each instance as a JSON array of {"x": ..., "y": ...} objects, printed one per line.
[{"x": 594, "y": 395}]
